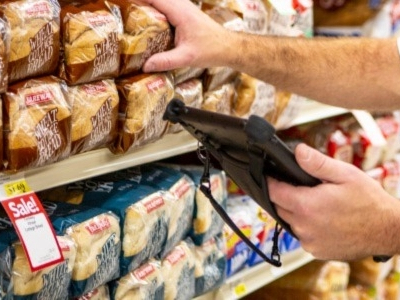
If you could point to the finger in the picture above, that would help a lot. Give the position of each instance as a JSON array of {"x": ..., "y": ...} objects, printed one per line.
[
  {"x": 284, "y": 214},
  {"x": 282, "y": 194},
  {"x": 166, "y": 61},
  {"x": 321, "y": 166}
]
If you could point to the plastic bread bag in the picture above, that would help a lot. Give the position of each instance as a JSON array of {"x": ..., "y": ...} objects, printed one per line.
[
  {"x": 220, "y": 100},
  {"x": 35, "y": 37},
  {"x": 100, "y": 293},
  {"x": 254, "y": 97},
  {"x": 215, "y": 77},
  {"x": 178, "y": 272},
  {"x": 191, "y": 93},
  {"x": 206, "y": 221},
  {"x": 37, "y": 120},
  {"x": 5, "y": 40},
  {"x": 94, "y": 115},
  {"x": 182, "y": 189},
  {"x": 145, "y": 282},
  {"x": 210, "y": 265},
  {"x": 146, "y": 32},
  {"x": 91, "y": 35},
  {"x": 143, "y": 211},
  {"x": 143, "y": 99},
  {"x": 96, "y": 233},
  {"x": 186, "y": 73},
  {"x": 49, "y": 283},
  {"x": 5, "y": 265}
]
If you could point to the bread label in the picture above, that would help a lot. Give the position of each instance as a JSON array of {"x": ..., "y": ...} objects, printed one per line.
[
  {"x": 55, "y": 283},
  {"x": 99, "y": 226},
  {"x": 107, "y": 55},
  {"x": 42, "y": 48},
  {"x": 144, "y": 271},
  {"x": 101, "y": 123},
  {"x": 39, "y": 98},
  {"x": 176, "y": 255},
  {"x": 155, "y": 84},
  {"x": 32, "y": 224},
  {"x": 153, "y": 203},
  {"x": 38, "y": 10},
  {"x": 181, "y": 189}
]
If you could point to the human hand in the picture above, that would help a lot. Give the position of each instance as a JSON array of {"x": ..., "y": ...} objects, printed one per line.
[
  {"x": 349, "y": 216},
  {"x": 199, "y": 40}
]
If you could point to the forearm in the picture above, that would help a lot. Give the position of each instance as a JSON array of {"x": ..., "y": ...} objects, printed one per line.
[{"x": 354, "y": 73}]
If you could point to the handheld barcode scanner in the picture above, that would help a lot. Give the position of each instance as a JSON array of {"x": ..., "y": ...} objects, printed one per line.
[{"x": 247, "y": 150}]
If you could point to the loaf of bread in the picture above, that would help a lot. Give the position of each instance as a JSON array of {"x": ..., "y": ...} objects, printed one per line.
[
  {"x": 210, "y": 264},
  {"x": 186, "y": 73},
  {"x": 181, "y": 189},
  {"x": 96, "y": 233},
  {"x": 368, "y": 272},
  {"x": 94, "y": 115},
  {"x": 5, "y": 39},
  {"x": 143, "y": 99},
  {"x": 49, "y": 283},
  {"x": 35, "y": 37},
  {"x": 5, "y": 266},
  {"x": 146, "y": 31},
  {"x": 178, "y": 272},
  {"x": 254, "y": 97},
  {"x": 91, "y": 35},
  {"x": 220, "y": 100},
  {"x": 145, "y": 282},
  {"x": 191, "y": 93},
  {"x": 37, "y": 123}
]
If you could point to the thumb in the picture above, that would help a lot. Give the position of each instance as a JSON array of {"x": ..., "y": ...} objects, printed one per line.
[
  {"x": 164, "y": 61},
  {"x": 321, "y": 166}
]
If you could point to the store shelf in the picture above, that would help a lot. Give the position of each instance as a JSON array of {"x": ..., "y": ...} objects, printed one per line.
[
  {"x": 98, "y": 162},
  {"x": 102, "y": 161},
  {"x": 251, "y": 279}
]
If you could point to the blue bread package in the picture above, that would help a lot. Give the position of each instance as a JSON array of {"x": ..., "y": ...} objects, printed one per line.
[
  {"x": 96, "y": 232},
  {"x": 182, "y": 189},
  {"x": 210, "y": 265},
  {"x": 51, "y": 282},
  {"x": 206, "y": 221},
  {"x": 145, "y": 282},
  {"x": 177, "y": 268},
  {"x": 143, "y": 212},
  {"x": 5, "y": 266}
]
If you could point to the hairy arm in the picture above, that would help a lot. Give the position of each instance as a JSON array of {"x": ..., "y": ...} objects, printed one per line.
[{"x": 349, "y": 72}]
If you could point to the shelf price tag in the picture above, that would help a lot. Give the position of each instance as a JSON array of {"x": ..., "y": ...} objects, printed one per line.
[
  {"x": 31, "y": 223},
  {"x": 240, "y": 290}
]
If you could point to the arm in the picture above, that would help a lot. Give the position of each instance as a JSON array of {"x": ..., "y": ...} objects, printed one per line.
[{"x": 349, "y": 72}]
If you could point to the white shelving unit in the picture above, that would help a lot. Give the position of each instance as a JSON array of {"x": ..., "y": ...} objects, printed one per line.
[{"x": 251, "y": 279}]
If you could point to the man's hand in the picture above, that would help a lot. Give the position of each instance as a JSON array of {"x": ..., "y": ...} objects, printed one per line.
[{"x": 348, "y": 216}]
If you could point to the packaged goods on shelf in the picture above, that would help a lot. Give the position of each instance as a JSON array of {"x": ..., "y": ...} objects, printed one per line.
[
  {"x": 367, "y": 272},
  {"x": 145, "y": 282},
  {"x": 391, "y": 177},
  {"x": 5, "y": 39},
  {"x": 191, "y": 93},
  {"x": 214, "y": 77},
  {"x": 184, "y": 74},
  {"x": 96, "y": 233},
  {"x": 316, "y": 280},
  {"x": 220, "y": 100},
  {"x": 37, "y": 122},
  {"x": 210, "y": 265},
  {"x": 206, "y": 221},
  {"x": 254, "y": 97},
  {"x": 35, "y": 37},
  {"x": 5, "y": 266},
  {"x": 94, "y": 115},
  {"x": 146, "y": 32},
  {"x": 100, "y": 293},
  {"x": 91, "y": 37},
  {"x": 182, "y": 189},
  {"x": 287, "y": 108},
  {"x": 178, "y": 272},
  {"x": 390, "y": 128},
  {"x": 143, "y": 99}
]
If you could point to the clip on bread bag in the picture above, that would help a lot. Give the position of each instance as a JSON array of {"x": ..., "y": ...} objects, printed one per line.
[
  {"x": 146, "y": 32},
  {"x": 5, "y": 39},
  {"x": 37, "y": 124},
  {"x": 145, "y": 282},
  {"x": 91, "y": 36},
  {"x": 35, "y": 37},
  {"x": 94, "y": 115},
  {"x": 182, "y": 188},
  {"x": 178, "y": 271},
  {"x": 143, "y": 99}
]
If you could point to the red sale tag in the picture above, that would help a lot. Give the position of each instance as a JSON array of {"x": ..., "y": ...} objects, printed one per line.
[{"x": 34, "y": 230}]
